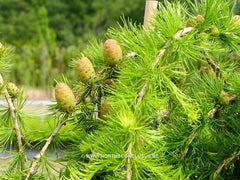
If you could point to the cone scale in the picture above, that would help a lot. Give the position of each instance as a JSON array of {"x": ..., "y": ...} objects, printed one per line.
[
  {"x": 12, "y": 89},
  {"x": 85, "y": 70},
  {"x": 112, "y": 52},
  {"x": 65, "y": 97}
]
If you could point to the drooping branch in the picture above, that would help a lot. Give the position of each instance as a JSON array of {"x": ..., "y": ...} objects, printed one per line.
[
  {"x": 14, "y": 117},
  {"x": 235, "y": 155},
  {"x": 45, "y": 147},
  {"x": 213, "y": 111}
]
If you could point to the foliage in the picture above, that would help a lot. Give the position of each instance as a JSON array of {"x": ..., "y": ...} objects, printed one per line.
[
  {"x": 180, "y": 117},
  {"x": 166, "y": 117}
]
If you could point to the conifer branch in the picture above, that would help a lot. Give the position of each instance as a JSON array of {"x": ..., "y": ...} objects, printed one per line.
[
  {"x": 161, "y": 53},
  {"x": 45, "y": 147},
  {"x": 212, "y": 63},
  {"x": 131, "y": 55},
  {"x": 225, "y": 163},
  {"x": 190, "y": 139},
  {"x": 183, "y": 32},
  {"x": 141, "y": 93},
  {"x": 215, "y": 109},
  {"x": 14, "y": 116},
  {"x": 129, "y": 171}
]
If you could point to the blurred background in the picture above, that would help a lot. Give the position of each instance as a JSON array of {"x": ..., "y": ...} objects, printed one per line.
[{"x": 47, "y": 34}]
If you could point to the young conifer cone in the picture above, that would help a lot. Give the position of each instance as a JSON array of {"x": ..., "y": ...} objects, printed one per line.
[
  {"x": 1, "y": 83},
  {"x": 65, "y": 97},
  {"x": 191, "y": 22},
  {"x": 235, "y": 21},
  {"x": 200, "y": 19},
  {"x": 85, "y": 70},
  {"x": 112, "y": 52},
  {"x": 12, "y": 89},
  {"x": 214, "y": 30},
  {"x": 105, "y": 108},
  {"x": 223, "y": 98},
  {"x": 1, "y": 86}
]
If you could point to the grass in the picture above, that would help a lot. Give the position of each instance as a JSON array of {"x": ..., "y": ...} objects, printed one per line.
[{"x": 38, "y": 128}]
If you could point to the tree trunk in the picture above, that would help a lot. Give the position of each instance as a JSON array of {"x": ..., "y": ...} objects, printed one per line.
[{"x": 150, "y": 7}]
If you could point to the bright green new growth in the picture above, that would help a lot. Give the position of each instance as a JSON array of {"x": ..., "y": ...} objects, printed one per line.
[
  {"x": 169, "y": 116},
  {"x": 223, "y": 98},
  {"x": 105, "y": 108},
  {"x": 166, "y": 102},
  {"x": 65, "y": 97}
]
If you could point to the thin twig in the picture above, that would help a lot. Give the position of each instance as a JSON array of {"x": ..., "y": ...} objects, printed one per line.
[
  {"x": 232, "y": 34},
  {"x": 162, "y": 52},
  {"x": 212, "y": 63},
  {"x": 141, "y": 93},
  {"x": 14, "y": 116},
  {"x": 131, "y": 55},
  {"x": 225, "y": 163},
  {"x": 215, "y": 109},
  {"x": 183, "y": 32},
  {"x": 232, "y": 97},
  {"x": 190, "y": 139},
  {"x": 45, "y": 147},
  {"x": 129, "y": 171}
]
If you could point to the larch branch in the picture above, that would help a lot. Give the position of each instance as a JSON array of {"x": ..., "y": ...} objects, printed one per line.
[
  {"x": 45, "y": 147},
  {"x": 14, "y": 116},
  {"x": 161, "y": 53},
  {"x": 213, "y": 111},
  {"x": 225, "y": 163}
]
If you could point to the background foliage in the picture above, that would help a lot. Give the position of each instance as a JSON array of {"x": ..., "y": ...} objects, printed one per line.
[{"x": 46, "y": 34}]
